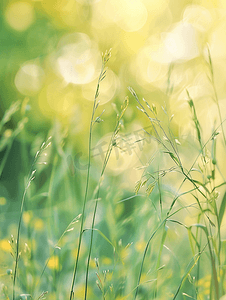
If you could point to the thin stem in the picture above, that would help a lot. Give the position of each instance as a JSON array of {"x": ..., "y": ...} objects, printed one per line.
[
  {"x": 18, "y": 241},
  {"x": 215, "y": 93},
  {"x": 101, "y": 77},
  {"x": 30, "y": 178},
  {"x": 68, "y": 228},
  {"x": 187, "y": 176},
  {"x": 106, "y": 159},
  {"x": 149, "y": 240}
]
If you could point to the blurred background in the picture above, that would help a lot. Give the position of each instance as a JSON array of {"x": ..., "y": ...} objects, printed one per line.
[{"x": 50, "y": 60}]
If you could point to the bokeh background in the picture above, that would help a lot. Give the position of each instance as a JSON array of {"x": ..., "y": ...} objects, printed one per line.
[{"x": 50, "y": 60}]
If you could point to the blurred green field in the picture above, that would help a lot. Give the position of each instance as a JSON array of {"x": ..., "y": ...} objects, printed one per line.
[{"x": 112, "y": 149}]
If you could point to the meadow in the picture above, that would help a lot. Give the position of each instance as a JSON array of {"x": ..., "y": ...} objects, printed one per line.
[{"x": 112, "y": 150}]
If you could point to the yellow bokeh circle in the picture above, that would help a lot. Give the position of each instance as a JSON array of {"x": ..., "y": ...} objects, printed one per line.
[
  {"x": 29, "y": 79},
  {"x": 129, "y": 15},
  {"x": 20, "y": 15},
  {"x": 78, "y": 59}
]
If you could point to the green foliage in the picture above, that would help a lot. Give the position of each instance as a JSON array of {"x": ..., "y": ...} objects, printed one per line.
[{"x": 133, "y": 218}]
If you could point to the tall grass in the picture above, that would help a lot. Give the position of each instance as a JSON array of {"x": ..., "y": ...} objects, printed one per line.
[
  {"x": 204, "y": 192},
  {"x": 105, "y": 59},
  {"x": 31, "y": 177},
  {"x": 112, "y": 143},
  {"x": 203, "y": 179}
]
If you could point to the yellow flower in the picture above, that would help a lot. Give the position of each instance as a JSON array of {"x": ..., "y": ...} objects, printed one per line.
[
  {"x": 53, "y": 263},
  {"x": 106, "y": 261},
  {"x": 5, "y": 245},
  {"x": 38, "y": 224},
  {"x": 140, "y": 246},
  {"x": 27, "y": 215},
  {"x": 92, "y": 264},
  {"x": 80, "y": 291},
  {"x": 2, "y": 200},
  {"x": 206, "y": 292}
]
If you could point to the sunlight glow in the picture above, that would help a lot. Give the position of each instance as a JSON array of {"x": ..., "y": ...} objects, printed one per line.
[
  {"x": 20, "y": 15},
  {"x": 79, "y": 60},
  {"x": 29, "y": 79},
  {"x": 130, "y": 15}
]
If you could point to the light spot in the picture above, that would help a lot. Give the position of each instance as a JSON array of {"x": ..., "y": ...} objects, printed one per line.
[
  {"x": 124, "y": 155},
  {"x": 79, "y": 60},
  {"x": 130, "y": 15},
  {"x": 177, "y": 45},
  {"x": 222, "y": 4},
  {"x": 156, "y": 7},
  {"x": 181, "y": 42},
  {"x": 20, "y": 15},
  {"x": 56, "y": 97},
  {"x": 150, "y": 67},
  {"x": 217, "y": 41},
  {"x": 29, "y": 79},
  {"x": 133, "y": 41},
  {"x": 198, "y": 16},
  {"x": 85, "y": 1}
]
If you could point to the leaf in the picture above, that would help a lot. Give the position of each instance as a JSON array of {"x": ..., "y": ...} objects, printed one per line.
[
  {"x": 190, "y": 237},
  {"x": 222, "y": 208},
  {"x": 173, "y": 156},
  {"x": 201, "y": 184},
  {"x": 104, "y": 236},
  {"x": 203, "y": 227},
  {"x": 211, "y": 222},
  {"x": 187, "y": 274}
]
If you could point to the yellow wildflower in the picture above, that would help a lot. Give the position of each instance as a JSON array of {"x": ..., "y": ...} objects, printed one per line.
[
  {"x": 53, "y": 263},
  {"x": 106, "y": 261},
  {"x": 27, "y": 215},
  {"x": 140, "y": 246},
  {"x": 38, "y": 224},
  {"x": 5, "y": 245},
  {"x": 2, "y": 200}
]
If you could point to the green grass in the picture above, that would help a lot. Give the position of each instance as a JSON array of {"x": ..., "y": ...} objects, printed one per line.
[{"x": 80, "y": 234}]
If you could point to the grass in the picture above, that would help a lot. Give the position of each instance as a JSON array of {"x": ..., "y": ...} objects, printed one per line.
[{"x": 133, "y": 243}]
